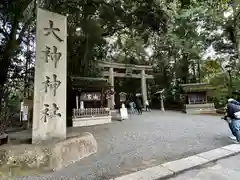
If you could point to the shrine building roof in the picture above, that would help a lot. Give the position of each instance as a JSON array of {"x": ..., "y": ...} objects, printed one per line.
[
  {"x": 196, "y": 87},
  {"x": 89, "y": 82}
]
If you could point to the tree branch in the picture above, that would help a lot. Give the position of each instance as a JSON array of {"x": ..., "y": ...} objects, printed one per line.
[
  {"x": 28, "y": 22},
  {"x": 23, "y": 30},
  {"x": 113, "y": 31}
]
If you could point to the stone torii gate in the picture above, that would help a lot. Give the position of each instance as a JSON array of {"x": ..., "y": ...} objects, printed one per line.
[{"x": 128, "y": 74}]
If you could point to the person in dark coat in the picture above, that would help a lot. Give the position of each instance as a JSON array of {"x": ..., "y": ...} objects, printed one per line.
[
  {"x": 233, "y": 106},
  {"x": 139, "y": 106}
]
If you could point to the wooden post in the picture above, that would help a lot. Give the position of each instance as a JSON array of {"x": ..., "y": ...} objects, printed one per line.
[
  {"x": 102, "y": 97},
  {"x": 206, "y": 97},
  {"x": 162, "y": 103}
]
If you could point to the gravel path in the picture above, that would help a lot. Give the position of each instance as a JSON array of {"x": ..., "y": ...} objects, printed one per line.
[{"x": 144, "y": 141}]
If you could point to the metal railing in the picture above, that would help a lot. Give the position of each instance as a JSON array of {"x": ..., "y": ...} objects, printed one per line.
[{"x": 91, "y": 112}]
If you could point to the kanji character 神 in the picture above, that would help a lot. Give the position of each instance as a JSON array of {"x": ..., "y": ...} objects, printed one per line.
[
  {"x": 55, "y": 56},
  {"x": 46, "y": 53},
  {"x": 55, "y": 84},
  {"x": 46, "y": 84}
]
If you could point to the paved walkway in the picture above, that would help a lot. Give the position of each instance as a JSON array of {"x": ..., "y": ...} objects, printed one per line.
[
  {"x": 144, "y": 141},
  {"x": 226, "y": 169}
]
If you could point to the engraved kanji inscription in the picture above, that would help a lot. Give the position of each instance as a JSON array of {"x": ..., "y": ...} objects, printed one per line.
[
  {"x": 46, "y": 84},
  {"x": 95, "y": 97},
  {"x": 89, "y": 96},
  {"x": 46, "y": 53},
  {"x": 52, "y": 30},
  {"x": 45, "y": 112},
  {"x": 55, "y": 109},
  {"x": 55, "y": 84},
  {"x": 55, "y": 56},
  {"x": 49, "y": 113}
]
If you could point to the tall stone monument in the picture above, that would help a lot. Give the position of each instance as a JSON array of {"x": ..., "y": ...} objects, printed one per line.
[{"x": 49, "y": 111}]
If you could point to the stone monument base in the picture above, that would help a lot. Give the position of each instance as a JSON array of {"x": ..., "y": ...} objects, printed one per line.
[{"x": 47, "y": 157}]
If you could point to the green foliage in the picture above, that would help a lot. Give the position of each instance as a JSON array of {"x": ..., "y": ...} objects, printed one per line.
[
  {"x": 210, "y": 68},
  {"x": 178, "y": 32},
  {"x": 220, "y": 92},
  {"x": 191, "y": 31}
]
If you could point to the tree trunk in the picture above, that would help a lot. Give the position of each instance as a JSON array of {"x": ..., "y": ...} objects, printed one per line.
[
  {"x": 4, "y": 65},
  {"x": 185, "y": 68},
  {"x": 199, "y": 71},
  {"x": 236, "y": 12},
  {"x": 8, "y": 52},
  {"x": 194, "y": 71}
]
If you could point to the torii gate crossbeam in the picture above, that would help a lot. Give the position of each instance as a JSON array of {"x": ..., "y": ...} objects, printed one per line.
[{"x": 111, "y": 74}]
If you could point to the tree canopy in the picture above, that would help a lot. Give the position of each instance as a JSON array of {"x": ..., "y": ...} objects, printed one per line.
[{"x": 172, "y": 35}]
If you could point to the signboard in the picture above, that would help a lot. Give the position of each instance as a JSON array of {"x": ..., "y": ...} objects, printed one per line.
[
  {"x": 90, "y": 96},
  {"x": 129, "y": 70},
  {"x": 25, "y": 113},
  {"x": 122, "y": 96}
]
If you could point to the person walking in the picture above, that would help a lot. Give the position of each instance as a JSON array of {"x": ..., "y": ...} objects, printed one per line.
[
  {"x": 139, "y": 106},
  {"x": 233, "y": 120},
  {"x": 132, "y": 108},
  {"x": 147, "y": 106}
]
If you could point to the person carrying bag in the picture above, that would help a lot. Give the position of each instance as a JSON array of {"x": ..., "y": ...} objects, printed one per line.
[{"x": 233, "y": 113}]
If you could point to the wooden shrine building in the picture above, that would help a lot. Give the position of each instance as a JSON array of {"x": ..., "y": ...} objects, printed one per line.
[
  {"x": 91, "y": 96},
  {"x": 195, "y": 98}
]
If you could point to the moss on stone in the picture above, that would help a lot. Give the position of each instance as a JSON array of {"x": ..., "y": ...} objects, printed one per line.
[
  {"x": 29, "y": 159},
  {"x": 9, "y": 171}
]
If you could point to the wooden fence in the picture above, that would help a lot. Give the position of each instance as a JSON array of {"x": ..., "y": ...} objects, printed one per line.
[{"x": 91, "y": 112}]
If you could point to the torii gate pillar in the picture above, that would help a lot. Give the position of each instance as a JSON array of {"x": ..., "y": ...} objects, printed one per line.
[
  {"x": 144, "y": 88},
  {"x": 111, "y": 101}
]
